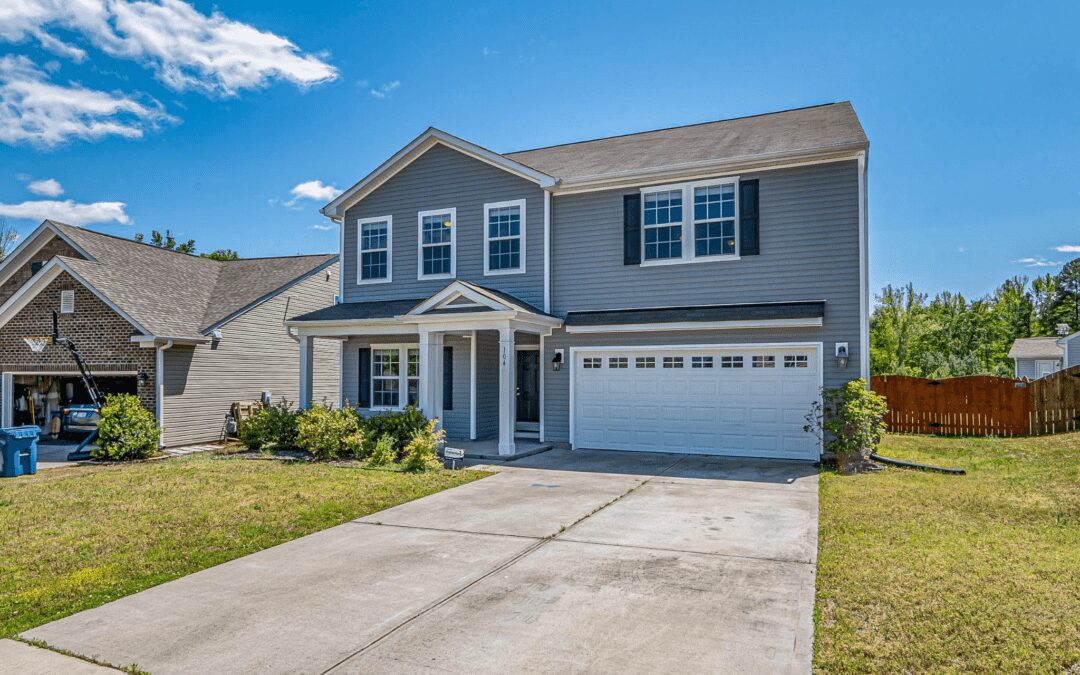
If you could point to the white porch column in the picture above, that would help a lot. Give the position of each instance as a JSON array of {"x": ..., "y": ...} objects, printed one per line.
[
  {"x": 431, "y": 368},
  {"x": 507, "y": 392},
  {"x": 307, "y": 361}
]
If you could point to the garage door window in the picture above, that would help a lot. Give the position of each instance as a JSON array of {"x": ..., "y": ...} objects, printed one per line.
[
  {"x": 701, "y": 362},
  {"x": 618, "y": 362},
  {"x": 731, "y": 362},
  {"x": 645, "y": 362},
  {"x": 593, "y": 362},
  {"x": 673, "y": 362},
  {"x": 796, "y": 361},
  {"x": 764, "y": 361}
]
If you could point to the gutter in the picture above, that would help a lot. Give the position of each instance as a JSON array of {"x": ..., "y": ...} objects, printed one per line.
[{"x": 159, "y": 386}]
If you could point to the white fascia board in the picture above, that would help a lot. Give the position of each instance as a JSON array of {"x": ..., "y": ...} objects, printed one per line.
[
  {"x": 812, "y": 322},
  {"x": 702, "y": 170},
  {"x": 419, "y": 145}
]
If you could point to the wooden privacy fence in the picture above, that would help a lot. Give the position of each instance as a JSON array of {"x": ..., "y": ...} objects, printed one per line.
[{"x": 982, "y": 405}]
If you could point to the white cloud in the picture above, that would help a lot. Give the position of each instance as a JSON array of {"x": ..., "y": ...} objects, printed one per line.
[
  {"x": 324, "y": 227},
  {"x": 1067, "y": 248},
  {"x": 486, "y": 52},
  {"x": 312, "y": 189},
  {"x": 1038, "y": 261},
  {"x": 68, "y": 211},
  {"x": 186, "y": 48},
  {"x": 35, "y": 110},
  {"x": 386, "y": 89},
  {"x": 48, "y": 187}
]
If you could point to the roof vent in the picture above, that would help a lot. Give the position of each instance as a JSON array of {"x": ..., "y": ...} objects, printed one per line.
[{"x": 1062, "y": 329}]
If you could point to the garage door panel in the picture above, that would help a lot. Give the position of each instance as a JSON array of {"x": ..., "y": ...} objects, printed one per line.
[{"x": 734, "y": 411}]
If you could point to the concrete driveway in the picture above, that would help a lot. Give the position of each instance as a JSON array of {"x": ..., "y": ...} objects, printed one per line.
[{"x": 566, "y": 561}]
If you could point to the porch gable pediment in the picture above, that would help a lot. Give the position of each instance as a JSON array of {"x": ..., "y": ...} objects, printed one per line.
[{"x": 462, "y": 296}]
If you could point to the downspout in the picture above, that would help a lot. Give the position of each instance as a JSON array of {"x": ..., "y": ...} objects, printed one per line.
[{"x": 159, "y": 385}]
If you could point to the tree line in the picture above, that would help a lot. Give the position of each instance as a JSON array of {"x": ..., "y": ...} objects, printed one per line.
[{"x": 950, "y": 335}]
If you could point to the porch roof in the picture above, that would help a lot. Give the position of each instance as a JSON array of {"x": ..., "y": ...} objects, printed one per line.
[{"x": 351, "y": 311}]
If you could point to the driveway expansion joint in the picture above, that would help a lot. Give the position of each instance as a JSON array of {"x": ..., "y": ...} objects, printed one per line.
[{"x": 445, "y": 529}]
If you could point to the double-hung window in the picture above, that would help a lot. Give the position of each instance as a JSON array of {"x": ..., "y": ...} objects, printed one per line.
[
  {"x": 663, "y": 224},
  {"x": 707, "y": 224},
  {"x": 374, "y": 242},
  {"x": 504, "y": 237},
  {"x": 395, "y": 376},
  {"x": 437, "y": 242}
]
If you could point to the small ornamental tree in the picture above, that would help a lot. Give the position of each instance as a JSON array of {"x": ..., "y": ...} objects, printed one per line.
[
  {"x": 126, "y": 431},
  {"x": 422, "y": 451},
  {"x": 850, "y": 421}
]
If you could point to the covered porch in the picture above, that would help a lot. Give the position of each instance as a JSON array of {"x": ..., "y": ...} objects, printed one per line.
[{"x": 467, "y": 356}]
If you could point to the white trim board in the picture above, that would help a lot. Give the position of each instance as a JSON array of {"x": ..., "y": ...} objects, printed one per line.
[{"x": 814, "y": 322}]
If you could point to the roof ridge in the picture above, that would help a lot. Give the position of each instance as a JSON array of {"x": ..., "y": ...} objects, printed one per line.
[{"x": 678, "y": 126}]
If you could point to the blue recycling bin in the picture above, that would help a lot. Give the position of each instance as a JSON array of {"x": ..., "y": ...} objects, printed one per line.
[{"x": 19, "y": 448}]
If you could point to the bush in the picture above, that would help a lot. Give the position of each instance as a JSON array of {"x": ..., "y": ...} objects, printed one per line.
[
  {"x": 384, "y": 452},
  {"x": 422, "y": 451},
  {"x": 330, "y": 434},
  {"x": 401, "y": 426},
  {"x": 127, "y": 430},
  {"x": 270, "y": 426},
  {"x": 850, "y": 422}
]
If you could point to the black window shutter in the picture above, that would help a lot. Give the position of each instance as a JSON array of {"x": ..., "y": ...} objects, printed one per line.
[
  {"x": 749, "y": 239},
  {"x": 632, "y": 229},
  {"x": 363, "y": 398},
  {"x": 448, "y": 378}
]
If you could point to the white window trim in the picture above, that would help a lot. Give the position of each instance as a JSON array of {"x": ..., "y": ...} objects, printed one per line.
[
  {"x": 420, "y": 243},
  {"x": 688, "y": 234},
  {"x": 402, "y": 376},
  {"x": 488, "y": 272},
  {"x": 389, "y": 220}
]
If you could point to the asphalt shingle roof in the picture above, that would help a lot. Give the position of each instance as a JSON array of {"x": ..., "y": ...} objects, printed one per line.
[
  {"x": 1036, "y": 348},
  {"x": 817, "y": 128},
  {"x": 174, "y": 294}
]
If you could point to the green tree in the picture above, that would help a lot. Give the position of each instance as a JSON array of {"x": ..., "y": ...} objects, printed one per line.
[
  {"x": 221, "y": 254},
  {"x": 1066, "y": 302},
  {"x": 899, "y": 320},
  {"x": 1044, "y": 290},
  {"x": 168, "y": 241}
]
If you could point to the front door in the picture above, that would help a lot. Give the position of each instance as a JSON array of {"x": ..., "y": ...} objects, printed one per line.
[{"x": 528, "y": 389}]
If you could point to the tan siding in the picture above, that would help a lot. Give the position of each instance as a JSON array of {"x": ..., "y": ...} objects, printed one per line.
[{"x": 254, "y": 355}]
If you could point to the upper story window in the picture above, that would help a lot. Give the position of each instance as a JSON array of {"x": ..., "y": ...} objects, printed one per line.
[
  {"x": 708, "y": 225},
  {"x": 438, "y": 241},
  {"x": 374, "y": 264},
  {"x": 504, "y": 237},
  {"x": 663, "y": 224}
]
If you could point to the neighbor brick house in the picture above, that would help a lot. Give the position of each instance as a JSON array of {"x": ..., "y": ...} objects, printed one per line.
[{"x": 188, "y": 335}]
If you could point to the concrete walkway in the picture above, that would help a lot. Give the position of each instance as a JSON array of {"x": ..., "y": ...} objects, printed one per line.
[{"x": 565, "y": 561}]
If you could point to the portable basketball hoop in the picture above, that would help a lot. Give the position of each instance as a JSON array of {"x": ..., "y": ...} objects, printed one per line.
[{"x": 37, "y": 342}]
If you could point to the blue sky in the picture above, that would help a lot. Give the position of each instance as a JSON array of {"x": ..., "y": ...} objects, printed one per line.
[{"x": 203, "y": 118}]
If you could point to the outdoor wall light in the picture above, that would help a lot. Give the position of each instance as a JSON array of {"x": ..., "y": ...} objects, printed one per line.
[
  {"x": 841, "y": 355},
  {"x": 143, "y": 379},
  {"x": 556, "y": 361}
]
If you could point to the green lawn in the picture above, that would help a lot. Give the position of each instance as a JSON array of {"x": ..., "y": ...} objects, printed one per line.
[
  {"x": 922, "y": 572},
  {"x": 75, "y": 538}
]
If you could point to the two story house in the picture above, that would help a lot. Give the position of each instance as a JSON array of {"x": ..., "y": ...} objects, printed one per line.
[{"x": 682, "y": 290}]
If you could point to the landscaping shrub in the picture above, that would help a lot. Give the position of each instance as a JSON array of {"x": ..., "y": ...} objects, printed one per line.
[
  {"x": 850, "y": 422},
  {"x": 384, "y": 452},
  {"x": 127, "y": 430},
  {"x": 330, "y": 434},
  {"x": 400, "y": 425},
  {"x": 422, "y": 451},
  {"x": 270, "y": 426}
]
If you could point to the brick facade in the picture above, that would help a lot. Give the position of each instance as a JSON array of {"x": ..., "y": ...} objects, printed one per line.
[
  {"x": 55, "y": 246},
  {"x": 102, "y": 336}
]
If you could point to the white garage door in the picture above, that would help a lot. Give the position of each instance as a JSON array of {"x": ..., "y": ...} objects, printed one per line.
[{"x": 732, "y": 401}]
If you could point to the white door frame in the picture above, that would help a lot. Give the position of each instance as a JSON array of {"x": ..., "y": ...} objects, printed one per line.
[{"x": 818, "y": 346}]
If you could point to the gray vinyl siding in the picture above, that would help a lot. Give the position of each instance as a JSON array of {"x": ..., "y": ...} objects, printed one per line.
[
  {"x": 557, "y": 384},
  {"x": 444, "y": 178},
  {"x": 1073, "y": 351},
  {"x": 254, "y": 355},
  {"x": 809, "y": 251},
  {"x": 487, "y": 384},
  {"x": 1025, "y": 368}
]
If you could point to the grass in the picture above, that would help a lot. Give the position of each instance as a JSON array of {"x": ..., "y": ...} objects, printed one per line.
[
  {"x": 74, "y": 538},
  {"x": 921, "y": 572}
]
